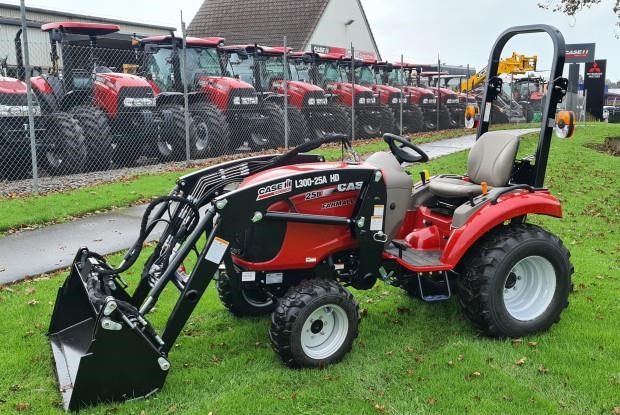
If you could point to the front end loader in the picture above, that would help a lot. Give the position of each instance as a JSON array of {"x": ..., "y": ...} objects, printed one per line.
[{"x": 298, "y": 229}]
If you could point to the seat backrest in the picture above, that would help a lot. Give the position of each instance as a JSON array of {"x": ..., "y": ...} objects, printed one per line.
[{"x": 492, "y": 157}]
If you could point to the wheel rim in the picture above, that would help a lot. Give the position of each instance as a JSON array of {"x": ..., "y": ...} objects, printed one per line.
[
  {"x": 164, "y": 147},
  {"x": 202, "y": 137},
  {"x": 529, "y": 288},
  {"x": 371, "y": 129},
  {"x": 324, "y": 331},
  {"x": 256, "y": 299},
  {"x": 258, "y": 140}
]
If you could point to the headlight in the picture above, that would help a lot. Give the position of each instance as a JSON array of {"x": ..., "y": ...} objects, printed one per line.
[
  {"x": 237, "y": 100},
  {"x": 321, "y": 101},
  {"x": 452, "y": 101},
  {"x": 429, "y": 101},
  {"x": 139, "y": 102},
  {"x": 362, "y": 100},
  {"x": 372, "y": 100},
  {"x": 311, "y": 101},
  {"x": 18, "y": 111},
  {"x": 397, "y": 100}
]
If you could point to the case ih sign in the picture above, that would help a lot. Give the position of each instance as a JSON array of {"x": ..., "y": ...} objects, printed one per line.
[
  {"x": 360, "y": 54},
  {"x": 580, "y": 52}
]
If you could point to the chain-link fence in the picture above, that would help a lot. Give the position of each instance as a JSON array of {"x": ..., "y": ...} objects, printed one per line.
[{"x": 100, "y": 112}]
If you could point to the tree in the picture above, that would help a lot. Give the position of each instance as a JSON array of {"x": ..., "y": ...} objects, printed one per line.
[{"x": 572, "y": 7}]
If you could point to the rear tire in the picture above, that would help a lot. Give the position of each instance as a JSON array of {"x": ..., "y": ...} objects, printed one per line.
[
  {"x": 314, "y": 324},
  {"x": 171, "y": 137},
  {"x": 97, "y": 134},
  {"x": 66, "y": 151},
  {"x": 243, "y": 302},
  {"x": 515, "y": 281},
  {"x": 211, "y": 131},
  {"x": 368, "y": 123}
]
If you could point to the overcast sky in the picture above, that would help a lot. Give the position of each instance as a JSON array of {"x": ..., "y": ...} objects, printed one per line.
[{"x": 461, "y": 32}]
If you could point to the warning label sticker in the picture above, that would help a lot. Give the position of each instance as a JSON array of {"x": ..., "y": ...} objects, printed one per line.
[
  {"x": 376, "y": 223},
  {"x": 217, "y": 250}
]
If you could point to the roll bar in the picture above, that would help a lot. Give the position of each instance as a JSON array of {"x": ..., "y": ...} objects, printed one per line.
[{"x": 556, "y": 90}]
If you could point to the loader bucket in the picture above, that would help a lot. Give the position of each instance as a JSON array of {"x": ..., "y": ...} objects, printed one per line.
[{"x": 97, "y": 359}]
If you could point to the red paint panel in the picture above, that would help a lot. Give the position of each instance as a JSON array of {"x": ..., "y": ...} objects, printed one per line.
[{"x": 510, "y": 206}]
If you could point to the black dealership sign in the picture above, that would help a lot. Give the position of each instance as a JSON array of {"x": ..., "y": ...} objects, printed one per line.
[
  {"x": 580, "y": 52},
  {"x": 594, "y": 83}
]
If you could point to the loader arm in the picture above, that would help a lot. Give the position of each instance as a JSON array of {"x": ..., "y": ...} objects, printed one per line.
[{"x": 515, "y": 64}]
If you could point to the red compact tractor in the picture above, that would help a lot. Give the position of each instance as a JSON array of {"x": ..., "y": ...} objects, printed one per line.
[
  {"x": 421, "y": 97},
  {"x": 227, "y": 111},
  {"x": 116, "y": 111},
  {"x": 287, "y": 233}
]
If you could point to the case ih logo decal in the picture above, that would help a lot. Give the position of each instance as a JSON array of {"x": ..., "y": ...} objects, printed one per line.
[
  {"x": 348, "y": 187},
  {"x": 275, "y": 189}
]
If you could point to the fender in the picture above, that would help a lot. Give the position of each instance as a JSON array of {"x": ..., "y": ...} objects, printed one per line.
[{"x": 489, "y": 216}]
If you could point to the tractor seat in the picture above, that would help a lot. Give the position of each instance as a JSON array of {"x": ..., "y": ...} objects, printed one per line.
[{"x": 490, "y": 160}]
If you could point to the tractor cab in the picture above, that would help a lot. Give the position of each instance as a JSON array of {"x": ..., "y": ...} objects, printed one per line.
[
  {"x": 161, "y": 63},
  {"x": 403, "y": 76}
]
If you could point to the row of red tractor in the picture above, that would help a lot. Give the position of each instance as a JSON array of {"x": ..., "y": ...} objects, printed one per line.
[{"x": 90, "y": 117}]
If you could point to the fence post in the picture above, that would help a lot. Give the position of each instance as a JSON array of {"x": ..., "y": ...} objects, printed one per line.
[
  {"x": 402, "y": 93},
  {"x": 185, "y": 93},
  {"x": 352, "y": 92},
  {"x": 33, "y": 143},
  {"x": 285, "y": 86},
  {"x": 437, "y": 89}
]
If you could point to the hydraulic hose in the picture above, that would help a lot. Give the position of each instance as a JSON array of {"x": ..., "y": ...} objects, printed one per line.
[{"x": 146, "y": 228}]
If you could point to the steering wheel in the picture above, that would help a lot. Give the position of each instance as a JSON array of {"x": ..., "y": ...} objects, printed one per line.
[{"x": 404, "y": 150}]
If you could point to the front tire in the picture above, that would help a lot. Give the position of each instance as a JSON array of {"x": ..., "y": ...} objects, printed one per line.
[
  {"x": 314, "y": 324},
  {"x": 445, "y": 120},
  {"x": 516, "y": 281},
  {"x": 297, "y": 127},
  {"x": 242, "y": 302},
  {"x": 171, "y": 137},
  {"x": 97, "y": 134},
  {"x": 66, "y": 151},
  {"x": 211, "y": 131}
]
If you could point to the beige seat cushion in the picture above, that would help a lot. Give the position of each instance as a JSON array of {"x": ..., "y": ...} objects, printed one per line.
[
  {"x": 452, "y": 187},
  {"x": 490, "y": 160}
]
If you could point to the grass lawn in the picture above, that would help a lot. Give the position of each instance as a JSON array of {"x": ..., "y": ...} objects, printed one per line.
[
  {"x": 20, "y": 212},
  {"x": 410, "y": 357}
]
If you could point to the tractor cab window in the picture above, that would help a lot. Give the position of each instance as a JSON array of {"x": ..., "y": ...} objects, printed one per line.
[
  {"x": 160, "y": 68},
  {"x": 271, "y": 68},
  {"x": 364, "y": 76},
  {"x": 202, "y": 62},
  {"x": 241, "y": 66},
  {"x": 396, "y": 78},
  {"x": 329, "y": 72}
]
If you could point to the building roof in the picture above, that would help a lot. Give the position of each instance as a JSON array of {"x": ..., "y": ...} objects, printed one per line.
[
  {"x": 62, "y": 13},
  {"x": 259, "y": 21}
]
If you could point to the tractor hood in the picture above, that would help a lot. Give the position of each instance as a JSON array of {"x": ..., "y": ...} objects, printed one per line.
[
  {"x": 221, "y": 83},
  {"x": 296, "y": 87},
  {"x": 121, "y": 80},
  {"x": 345, "y": 88},
  {"x": 446, "y": 95},
  {"x": 12, "y": 86}
]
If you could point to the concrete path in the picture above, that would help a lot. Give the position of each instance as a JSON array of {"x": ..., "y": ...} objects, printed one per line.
[{"x": 51, "y": 248}]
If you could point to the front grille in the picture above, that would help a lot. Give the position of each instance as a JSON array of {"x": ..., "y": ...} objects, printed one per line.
[{"x": 133, "y": 92}]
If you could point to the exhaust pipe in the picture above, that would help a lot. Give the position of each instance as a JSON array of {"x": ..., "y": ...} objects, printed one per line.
[{"x": 19, "y": 57}]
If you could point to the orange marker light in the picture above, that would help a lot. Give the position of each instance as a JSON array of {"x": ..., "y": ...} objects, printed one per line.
[
  {"x": 565, "y": 124},
  {"x": 485, "y": 188},
  {"x": 471, "y": 116}
]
